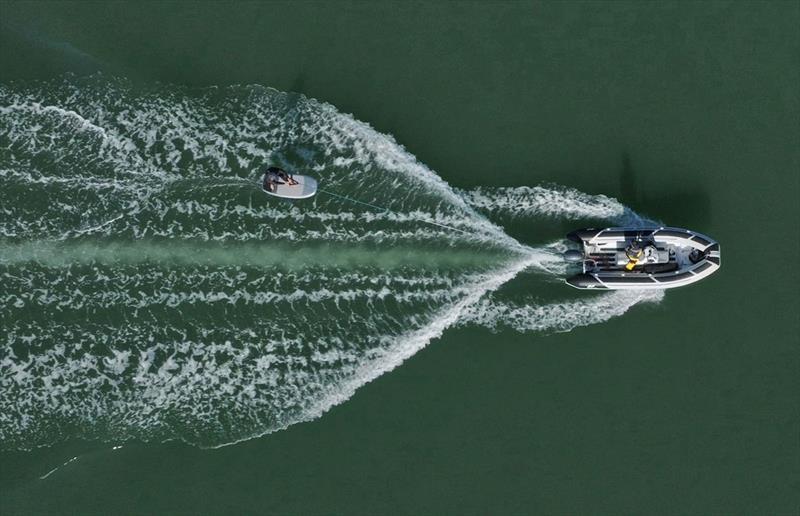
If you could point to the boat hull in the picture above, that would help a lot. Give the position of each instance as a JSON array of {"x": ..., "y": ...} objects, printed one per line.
[{"x": 686, "y": 257}]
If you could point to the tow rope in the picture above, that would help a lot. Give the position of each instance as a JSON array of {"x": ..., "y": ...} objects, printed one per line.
[{"x": 387, "y": 210}]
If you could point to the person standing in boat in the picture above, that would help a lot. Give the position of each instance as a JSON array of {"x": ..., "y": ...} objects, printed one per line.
[{"x": 275, "y": 176}]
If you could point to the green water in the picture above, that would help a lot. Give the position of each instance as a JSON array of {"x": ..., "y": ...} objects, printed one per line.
[{"x": 687, "y": 113}]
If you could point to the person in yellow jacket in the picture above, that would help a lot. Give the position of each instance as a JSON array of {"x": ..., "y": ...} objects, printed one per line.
[{"x": 634, "y": 252}]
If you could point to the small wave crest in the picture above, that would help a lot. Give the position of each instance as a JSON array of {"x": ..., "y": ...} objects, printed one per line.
[
  {"x": 533, "y": 316},
  {"x": 552, "y": 201}
]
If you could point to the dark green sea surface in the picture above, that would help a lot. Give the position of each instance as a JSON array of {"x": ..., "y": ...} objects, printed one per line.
[{"x": 173, "y": 341}]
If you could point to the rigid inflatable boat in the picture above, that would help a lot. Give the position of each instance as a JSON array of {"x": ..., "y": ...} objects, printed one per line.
[{"x": 640, "y": 258}]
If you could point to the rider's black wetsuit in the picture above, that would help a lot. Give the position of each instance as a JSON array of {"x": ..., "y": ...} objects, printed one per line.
[{"x": 273, "y": 177}]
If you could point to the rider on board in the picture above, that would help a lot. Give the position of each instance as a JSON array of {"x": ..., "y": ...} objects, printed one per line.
[{"x": 275, "y": 176}]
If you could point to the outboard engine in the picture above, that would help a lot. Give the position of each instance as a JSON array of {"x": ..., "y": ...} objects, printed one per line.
[{"x": 573, "y": 256}]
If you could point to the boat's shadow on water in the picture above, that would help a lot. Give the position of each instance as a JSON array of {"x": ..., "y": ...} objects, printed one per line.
[{"x": 673, "y": 202}]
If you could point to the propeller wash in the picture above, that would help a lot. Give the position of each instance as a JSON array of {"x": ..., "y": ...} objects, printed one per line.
[{"x": 150, "y": 290}]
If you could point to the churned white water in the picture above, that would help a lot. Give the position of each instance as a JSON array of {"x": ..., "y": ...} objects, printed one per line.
[{"x": 149, "y": 290}]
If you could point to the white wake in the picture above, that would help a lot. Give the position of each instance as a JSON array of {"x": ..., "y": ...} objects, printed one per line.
[{"x": 150, "y": 291}]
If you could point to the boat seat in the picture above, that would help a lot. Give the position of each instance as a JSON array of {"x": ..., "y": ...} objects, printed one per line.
[{"x": 655, "y": 256}]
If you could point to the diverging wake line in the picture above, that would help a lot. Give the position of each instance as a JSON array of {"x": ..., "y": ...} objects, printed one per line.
[{"x": 146, "y": 294}]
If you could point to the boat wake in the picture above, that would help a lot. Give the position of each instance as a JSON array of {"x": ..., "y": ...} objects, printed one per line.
[
  {"x": 553, "y": 201},
  {"x": 555, "y": 317},
  {"x": 150, "y": 291}
]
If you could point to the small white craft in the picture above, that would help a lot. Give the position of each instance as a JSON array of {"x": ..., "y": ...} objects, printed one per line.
[{"x": 305, "y": 188}]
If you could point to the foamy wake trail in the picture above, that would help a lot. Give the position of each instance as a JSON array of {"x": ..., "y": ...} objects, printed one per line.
[
  {"x": 149, "y": 290},
  {"x": 551, "y": 201},
  {"x": 555, "y": 317}
]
